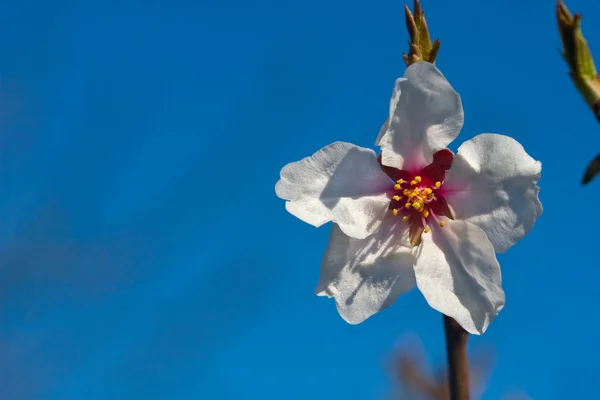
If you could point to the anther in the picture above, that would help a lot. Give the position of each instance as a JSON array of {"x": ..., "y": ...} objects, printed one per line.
[
  {"x": 418, "y": 179},
  {"x": 407, "y": 205},
  {"x": 400, "y": 181},
  {"x": 405, "y": 218},
  {"x": 438, "y": 184},
  {"x": 427, "y": 230},
  {"x": 426, "y": 213},
  {"x": 416, "y": 205},
  {"x": 397, "y": 186},
  {"x": 428, "y": 191},
  {"x": 397, "y": 198},
  {"x": 442, "y": 223},
  {"x": 395, "y": 211},
  {"x": 413, "y": 182}
]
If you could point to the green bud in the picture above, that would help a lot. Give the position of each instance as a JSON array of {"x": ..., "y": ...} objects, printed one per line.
[
  {"x": 420, "y": 46},
  {"x": 577, "y": 55}
]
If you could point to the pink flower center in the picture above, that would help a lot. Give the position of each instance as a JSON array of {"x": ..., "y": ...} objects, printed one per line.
[
  {"x": 418, "y": 197},
  {"x": 414, "y": 198}
]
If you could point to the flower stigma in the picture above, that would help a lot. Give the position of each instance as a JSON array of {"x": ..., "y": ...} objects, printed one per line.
[{"x": 418, "y": 197}]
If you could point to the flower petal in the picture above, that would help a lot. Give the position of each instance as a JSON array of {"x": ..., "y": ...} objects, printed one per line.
[
  {"x": 425, "y": 116},
  {"x": 384, "y": 128},
  {"x": 342, "y": 183},
  {"x": 459, "y": 275},
  {"x": 493, "y": 184},
  {"x": 366, "y": 276},
  {"x": 393, "y": 106}
]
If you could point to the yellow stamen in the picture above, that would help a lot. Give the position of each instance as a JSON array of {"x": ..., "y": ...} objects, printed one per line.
[
  {"x": 397, "y": 198},
  {"x": 397, "y": 186},
  {"x": 405, "y": 218},
  {"x": 413, "y": 182},
  {"x": 442, "y": 223},
  {"x": 428, "y": 191},
  {"x": 427, "y": 230},
  {"x": 426, "y": 213},
  {"x": 438, "y": 184},
  {"x": 395, "y": 211},
  {"x": 407, "y": 205},
  {"x": 416, "y": 205},
  {"x": 406, "y": 192},
  {"x": 418, "y": 179},
  {"x": 400, "y": 181}
]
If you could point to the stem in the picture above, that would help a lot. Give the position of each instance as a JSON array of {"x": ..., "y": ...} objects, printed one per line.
[{"x": 458, "y": 366}]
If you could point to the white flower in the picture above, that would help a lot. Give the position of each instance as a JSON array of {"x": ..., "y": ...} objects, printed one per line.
[{"x": 417, "y": 214}]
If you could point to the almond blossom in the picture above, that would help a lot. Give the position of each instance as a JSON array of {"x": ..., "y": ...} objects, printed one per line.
[{"x": 417, "y": 215}]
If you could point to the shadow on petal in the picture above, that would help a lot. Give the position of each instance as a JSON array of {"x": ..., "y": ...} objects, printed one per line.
[
  {"x": 367, "y": 275},
  {"x": 356, "y": 176}
]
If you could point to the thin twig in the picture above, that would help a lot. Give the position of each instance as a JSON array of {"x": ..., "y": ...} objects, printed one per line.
[{"x": 458, "y": 365}]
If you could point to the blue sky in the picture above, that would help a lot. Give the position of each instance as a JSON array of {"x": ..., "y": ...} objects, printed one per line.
[{"x": 144, "y": 254}]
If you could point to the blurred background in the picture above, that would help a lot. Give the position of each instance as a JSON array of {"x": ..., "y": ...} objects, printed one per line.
[{"x": 144, "y": 254}]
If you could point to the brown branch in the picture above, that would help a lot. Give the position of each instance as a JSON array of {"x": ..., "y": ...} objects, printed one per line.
[{"x": 458, "y": 365}]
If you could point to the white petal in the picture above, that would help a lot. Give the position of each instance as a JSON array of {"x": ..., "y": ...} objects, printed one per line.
[
  {"x": 459, "y": 275},
  {"x": 493, "y": 184},
  {"x": 425, "y": 116},
  {"x": 342, "y": 183},
  {"x": 393, "y": 106},
  {"x": 382, "y": 131},
  {"x": 367, "y": 275}
]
